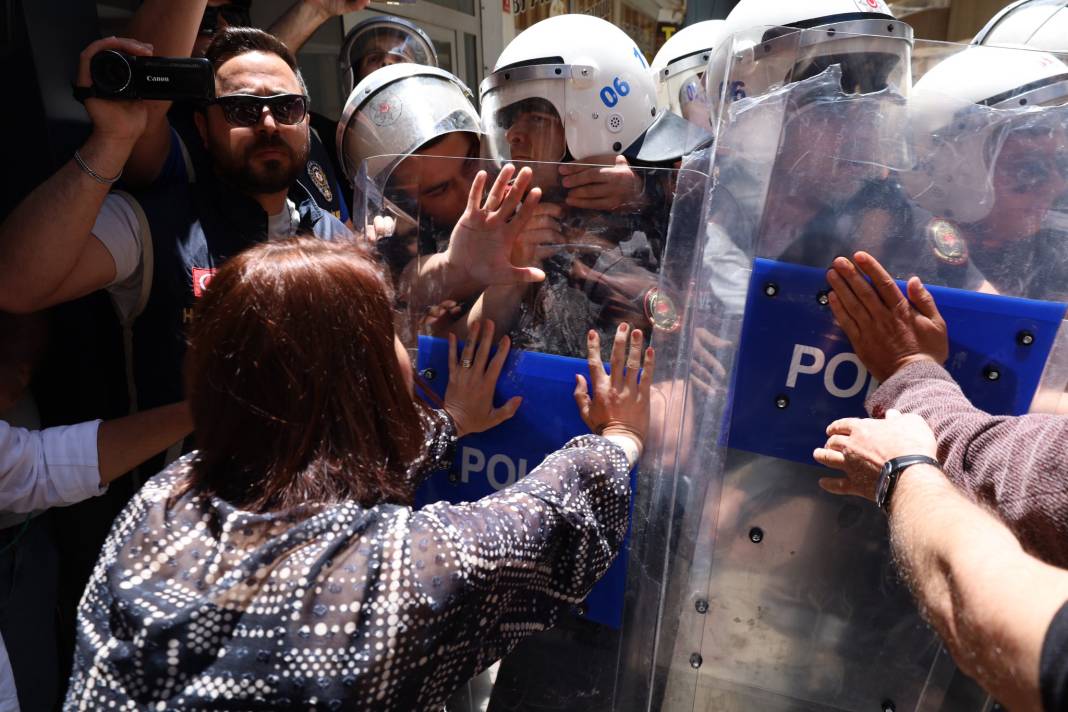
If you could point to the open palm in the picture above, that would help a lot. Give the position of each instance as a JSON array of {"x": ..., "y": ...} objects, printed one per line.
[{"x": 483, "y": 239}]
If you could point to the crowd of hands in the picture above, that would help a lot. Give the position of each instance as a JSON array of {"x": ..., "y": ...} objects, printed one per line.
[
  {"x": 505, "y": 232},
  {"x": 887, "y": 329}
]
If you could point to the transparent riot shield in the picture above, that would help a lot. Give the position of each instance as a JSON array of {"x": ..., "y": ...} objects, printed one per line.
[
  {"x": 757, "y": 590},
  {"x": 602, "y": 267}
]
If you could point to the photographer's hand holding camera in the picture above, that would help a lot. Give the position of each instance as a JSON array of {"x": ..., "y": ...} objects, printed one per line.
[{"x": 50, "y": 255}]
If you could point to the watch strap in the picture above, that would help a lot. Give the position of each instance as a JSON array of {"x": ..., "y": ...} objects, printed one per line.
[{"x": 892, "y": 471}]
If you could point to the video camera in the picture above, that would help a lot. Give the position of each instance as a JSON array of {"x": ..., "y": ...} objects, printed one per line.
[{"x": 122, "y": 76}]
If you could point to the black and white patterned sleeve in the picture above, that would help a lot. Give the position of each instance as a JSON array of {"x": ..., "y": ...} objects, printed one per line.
[
  {"x": 439, "y": 446},
  {"x": 512, "y": 561}
]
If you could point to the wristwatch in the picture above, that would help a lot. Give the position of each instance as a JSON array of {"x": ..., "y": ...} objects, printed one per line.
[{"x": 891, "y": 471}]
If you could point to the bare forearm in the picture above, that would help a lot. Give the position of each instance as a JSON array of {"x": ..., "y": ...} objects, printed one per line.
[
  {"x": 124, "y": 443},
  {"x": 42, "y": 239},
  {"x": 432, "y": 279},
  {"x": 171, "y": 28},
  {"x": 1013, "y": 465},
  {"x": 297, "y": 24},
  {"x": 990, "y": 601},
  {"x": 500, "y": 304}
]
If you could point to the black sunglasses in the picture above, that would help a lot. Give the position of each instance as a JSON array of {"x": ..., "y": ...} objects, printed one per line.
[
  {"x": 247, "y": 109},
  {"x": 235, "y": 16}
]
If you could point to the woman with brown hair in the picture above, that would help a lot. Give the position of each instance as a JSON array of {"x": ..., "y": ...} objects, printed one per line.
[{"x": 281, "y": 565}]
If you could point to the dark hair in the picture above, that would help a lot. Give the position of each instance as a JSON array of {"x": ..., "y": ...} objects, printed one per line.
[
  {"x": 293, "y": 380},
  {"x": 235, "y": 41}
]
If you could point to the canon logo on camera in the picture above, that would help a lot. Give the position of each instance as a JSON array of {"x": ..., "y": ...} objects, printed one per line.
[{"x": 157, "y": 79}]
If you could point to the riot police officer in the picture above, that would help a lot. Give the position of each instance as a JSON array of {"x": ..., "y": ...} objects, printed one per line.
[
  {"x": 990, "y": 125},
  {"x": 1038, "y": 24},
  {"x": 381, "y": 41},
  {"x": 839, "y": 144},
  {"x": 410, "y": 133},
  {"x": 575, "y": 89},
  {"x": 679, "y": 68}
]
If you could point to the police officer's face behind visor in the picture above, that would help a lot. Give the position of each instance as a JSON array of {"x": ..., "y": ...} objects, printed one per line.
[
  {"x": 1030, "y": 176},
  {"x": 533, "y": 131},
  {"x": 439, "y": 176},
  {"x": 382, "y": 49},
  {"x": 218, "y": 15},
  {"x": 267, "y": 156}
]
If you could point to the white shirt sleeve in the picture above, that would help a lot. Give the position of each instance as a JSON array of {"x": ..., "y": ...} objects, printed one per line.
[
  {"x": 9, "y": 699},
  {"x": 48, "y": 468},
  {"x": 118, "y": 230}
]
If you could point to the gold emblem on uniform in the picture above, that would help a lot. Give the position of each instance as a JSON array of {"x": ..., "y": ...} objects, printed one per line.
[
  {"x": 661, "y": 311},
  {"x": 318, "y": 176},
  {"x": 946, "y": 242}
]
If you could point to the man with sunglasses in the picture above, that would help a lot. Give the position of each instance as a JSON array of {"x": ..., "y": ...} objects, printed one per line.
[
  {"x": 156, "y": 253},
  {"x": 170, "y": 147}
]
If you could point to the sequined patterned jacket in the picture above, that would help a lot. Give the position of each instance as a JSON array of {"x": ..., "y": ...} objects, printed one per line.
[{"x": 195, "y": 604}]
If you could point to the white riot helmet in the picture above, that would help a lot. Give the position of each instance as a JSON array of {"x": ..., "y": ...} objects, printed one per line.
[
  {"x": 1038, "y": 24},
  {"x": 579, "y": 70},
  {"x": 381, "y": 41},
  {"x": 678, "y": 70},
  {"x": 960, "y": 113},
  {"x": 397, "y": 109},
  {"x": 765, "y": 50}
]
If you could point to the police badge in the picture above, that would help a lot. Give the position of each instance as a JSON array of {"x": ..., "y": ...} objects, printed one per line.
[
  {"x": 318, "y": 176},
  {"x": 386, "y": 112},
  {"x": 661, "y": 311},
  {"x": 946, "y": 242}
]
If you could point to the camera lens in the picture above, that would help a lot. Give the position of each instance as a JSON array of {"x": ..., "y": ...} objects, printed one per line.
[{"x": 111, "y": 72}]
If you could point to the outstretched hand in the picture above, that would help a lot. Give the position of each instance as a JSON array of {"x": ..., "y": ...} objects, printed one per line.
[
  {"x": 472, "y": 380},
  {"x": 860, "y": 447},
  {"x": 620, "y": 404},
  {"x": 887, "y": 330},
  {"x": 482, "y": 241}
]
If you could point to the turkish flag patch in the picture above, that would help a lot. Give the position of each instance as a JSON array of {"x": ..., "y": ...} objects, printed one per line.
[{"x": 201, "y": 279}]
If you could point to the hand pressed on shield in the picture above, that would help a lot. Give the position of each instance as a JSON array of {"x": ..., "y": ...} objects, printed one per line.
[
  {"x": 602, "y": 187},
  {"x": 860, "y": 447},
  {"x": 887, "y": 330},
  {"x": 472, "y": 380},
  {"x": 619, "y": 404},
  {"x": 380, "y": 228},
  {"x": 440, "y": 318},
  {"x": 541, "y": 238},
  {"x": 482, "y": 241},
  {"x": 707, "y": 373}
]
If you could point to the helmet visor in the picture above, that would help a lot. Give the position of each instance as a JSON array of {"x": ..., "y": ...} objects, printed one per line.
[
  {"x": 381, "y": 45},
  {"x": 862, "y": 73},
  {"x": 401, "y": 117},
  {"x": 528, "y": 129}
]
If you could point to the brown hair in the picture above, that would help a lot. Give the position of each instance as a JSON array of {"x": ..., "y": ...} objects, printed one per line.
[
  {"x": 294, "y": 383},
  {"x": 235, "y": 41}
]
